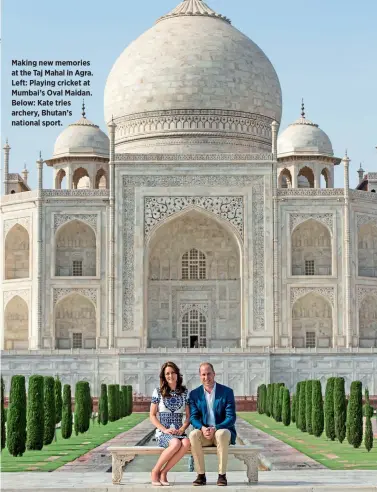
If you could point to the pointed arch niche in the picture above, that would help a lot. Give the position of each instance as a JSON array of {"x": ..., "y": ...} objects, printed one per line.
[
  {"x": 367, "y": 250},
  {"x": 216, "y": 284},
  {"x": 16, "y": 324},
  {"x": 368, "y": 321},
  {"x": 17, "y": 253},
  {"x": 312, "y": 322},
  {"x": 75, "y": 322}
]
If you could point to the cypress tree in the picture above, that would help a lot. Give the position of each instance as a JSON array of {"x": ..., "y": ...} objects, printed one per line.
[
  {"x": 35, "y": 413},
  {"x": 273, "y": 385},
  {"x": 82, "y": 412},
  {"x": 317, "y": 409},
  {"x": 66, "y": 425},
  {"x": 368, "y": 438},
  {"x": 339, "y": 409},
  {"x": 279, "y": 406},
  {"x": 124, "y": 390},
  {"x": 308, "y": 414},
  {"x": 58, "y": 400},
  {"x": 103, "y": 406},
  {"x": 293, "y": 416},
  {"x": 367, "y": 406},
  {"x": 302, "y": 407},
  {"x": 49, "y": 409},
  {"x": 355, "y": 415},
  {"x": 297, "y": 409},
  {"x": 130, "y": 399},
  {"x": 268, "y": 400},
  {"x": 122, "y": 403},
  {"x": 3, "y": 436},
  {"x": 264, "y": 398},
  {"x": 258, "y": 399},
  {"x": 16, "y": 418},
  {"x": 277, "y": 402},
  {"x": 112, "y": 402},
  {"x": 286, "y": 411},
  {"x": 329, "y": 409}
]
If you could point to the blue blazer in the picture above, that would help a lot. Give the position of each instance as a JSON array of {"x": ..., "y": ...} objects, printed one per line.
[{"x": 224, "y": 409}]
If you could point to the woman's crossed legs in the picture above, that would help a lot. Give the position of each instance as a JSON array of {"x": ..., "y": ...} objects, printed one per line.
[{"x": 169, "y": 457}]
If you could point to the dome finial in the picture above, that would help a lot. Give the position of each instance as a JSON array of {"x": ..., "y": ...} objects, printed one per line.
[
  {"x": 302, "y": 108},
  {"x": 83, "y": 108}
]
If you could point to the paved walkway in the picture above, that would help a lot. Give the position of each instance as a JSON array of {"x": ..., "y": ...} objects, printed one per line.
[{"x": 287, "y": 481}]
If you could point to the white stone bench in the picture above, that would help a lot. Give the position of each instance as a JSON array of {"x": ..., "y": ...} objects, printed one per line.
[{"x": 122, "y": 455}]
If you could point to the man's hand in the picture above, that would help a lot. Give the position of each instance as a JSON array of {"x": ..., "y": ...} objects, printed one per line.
[{"x": 208, "y": 432}]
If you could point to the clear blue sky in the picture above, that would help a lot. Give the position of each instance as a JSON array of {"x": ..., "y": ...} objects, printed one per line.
[{"x": 324, "y": 51}]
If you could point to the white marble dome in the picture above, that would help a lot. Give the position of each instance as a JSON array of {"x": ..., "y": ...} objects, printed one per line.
[
  {"x": 304, "y": 138},
  {"x": 82, "y": 138},
  {"x": 193, "y": 81}
]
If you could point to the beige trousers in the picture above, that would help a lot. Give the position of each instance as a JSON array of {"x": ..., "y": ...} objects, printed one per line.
[{"x": 221, "y": 440}]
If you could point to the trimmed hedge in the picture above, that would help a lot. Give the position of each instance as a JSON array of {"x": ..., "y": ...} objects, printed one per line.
[
  {"x": 293, "y": 416},
  {"x": 268, "y": 400},
  {"x": 16, "y": 418},
  {"x": 103, "y": 411},
  {"x": 113, "y": 402},
  {"x": 297, "y": 409},
  {"x": 329, "y": 409},
  {"x": 308, "y": 406},
  {"x": 35, "y": 413},
  {"x": 3, "y": 435},
  {"x": 302, "y": 407},
  {"x": 82, "y": 407},
  {"x": 58, "y": 400},
  {"x": 66, "y": 425},
  {"x": 124, "y": 391},
  {"x": 355, "y": 415},
  {"x": 367, "y": 408},
  {"x": 264, "y": 397},
  {"x": 286, "y": 411},
  {"x": 49, "y": 409},
  {"x": 317, "y": 409},
  {"x": 129, "y": 400},
  {"x": 280, "y": 403},
  {"x": 368, "y": 438},
  {"x": 340, "y": 409}
]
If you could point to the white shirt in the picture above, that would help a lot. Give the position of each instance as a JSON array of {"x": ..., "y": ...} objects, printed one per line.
[{"x": 210, "y": 398}]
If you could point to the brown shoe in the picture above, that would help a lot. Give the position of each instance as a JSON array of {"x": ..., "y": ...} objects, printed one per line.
[
  {"x": 200, "y": 479},
  {"x": 222, "y": 481}
]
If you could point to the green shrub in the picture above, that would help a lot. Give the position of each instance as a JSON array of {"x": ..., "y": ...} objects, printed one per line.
[
  {"x": 302, "y": 407},
  {"x": 82, "y": 407},
  {"x": 355, "y": 415},
  {"x": 35, "y": 413},
  {"x": 317, "y": 409},
  {"x": 264, "y": 397},
  {"x": 293, "y": 416},
  {"x": 3, "y": 416},
  {"x": 308, "y": 406},
  {"x": 286, "y": 411},
  {"x": 268, "y": 400},
  {"x": 122, "y": 403},
  {"x": 124, "y": 392},
  {"x": 258, "y": 400},
  {"x": 103, "y": 411},
  {"x": 49, "y": 409},
  {"x": 66, "y": 425},
  {"x": 16, "y": 420},
  {"x": 339, "y": 409},
  {"x": 112, "y": 388},
  {"x": 297, "y": 409},
  {"x": 277, "y": 402},
  {"x": 129, "y": 400},
  {"x": 329, "y": 409},
  {"x": 367, "y": 408},
  {"x": 58, "y": 400},
  {"x": 279, "y": 408},
  {"x": 368, "y": 438}
]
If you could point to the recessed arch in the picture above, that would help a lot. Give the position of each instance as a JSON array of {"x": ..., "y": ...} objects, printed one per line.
[
  {"x": 305, "y": 178},
  {"x": 311, "y": 244},
  {"x": 285, "y": 179},
  {"x": 78, "y": 174},
  {"x": 367, "y": 250},
  {"x": 76, "y": 250},
  {"x": 101, "y": 179},
  {"x": 368, "y": 321},
  {"x": 75, "y": 322},
  {"x": 17, "y": 253},
  {"x": 312, "y": 322},
  {"x": 325, "y": 178},
  {"x": 16, "y": 324},
  {"x": 60, "y": 179}
]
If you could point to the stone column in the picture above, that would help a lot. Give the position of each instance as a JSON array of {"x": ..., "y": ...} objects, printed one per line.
[
  {"x": 69, "y": 178},
  {"x": 275, "y": 128},
  {"x": 111, "y": 222},
  {"x": 294, "y": 176},
  {"x": 317, "y": 177},
  {"x": 347, "y": 256},
  {"x": 6, "y": 166},
  {"x": 39, "y": 253}
]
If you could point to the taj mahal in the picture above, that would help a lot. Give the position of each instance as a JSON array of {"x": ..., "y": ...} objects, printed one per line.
[{"x": 192, "y": 228}]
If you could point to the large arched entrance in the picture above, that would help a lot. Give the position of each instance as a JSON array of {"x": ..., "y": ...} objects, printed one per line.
[{"x": 193, "y": 283}]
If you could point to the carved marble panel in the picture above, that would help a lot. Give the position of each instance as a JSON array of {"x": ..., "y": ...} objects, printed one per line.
[
  {"x": 91, "y": 294},
  {"x": 16, "y": 324},
  {"x": 327, "y": 292},
  {"x": 90, "y": 219},
  {"x": 17, "y": 252},
  {"x": 23, "y": 293},
  {"x": 367, "y": 246},
  {"x": 23, "y": 221},
  {"x": 296, "y": 219}
]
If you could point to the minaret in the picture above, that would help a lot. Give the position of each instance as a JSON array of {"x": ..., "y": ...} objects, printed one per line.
[
  {"x": 25, "y": 173},
  {"x": 6, "y": 166},
  {"x": 360, "y": 172},
  {"x": 274, "y": 134},
  {"x": 38, "y": 338},
  {"x": 347, "y": 255}
]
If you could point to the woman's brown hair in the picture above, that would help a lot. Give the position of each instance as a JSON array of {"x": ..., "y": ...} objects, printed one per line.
[{"x": 164, "y": 387}]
